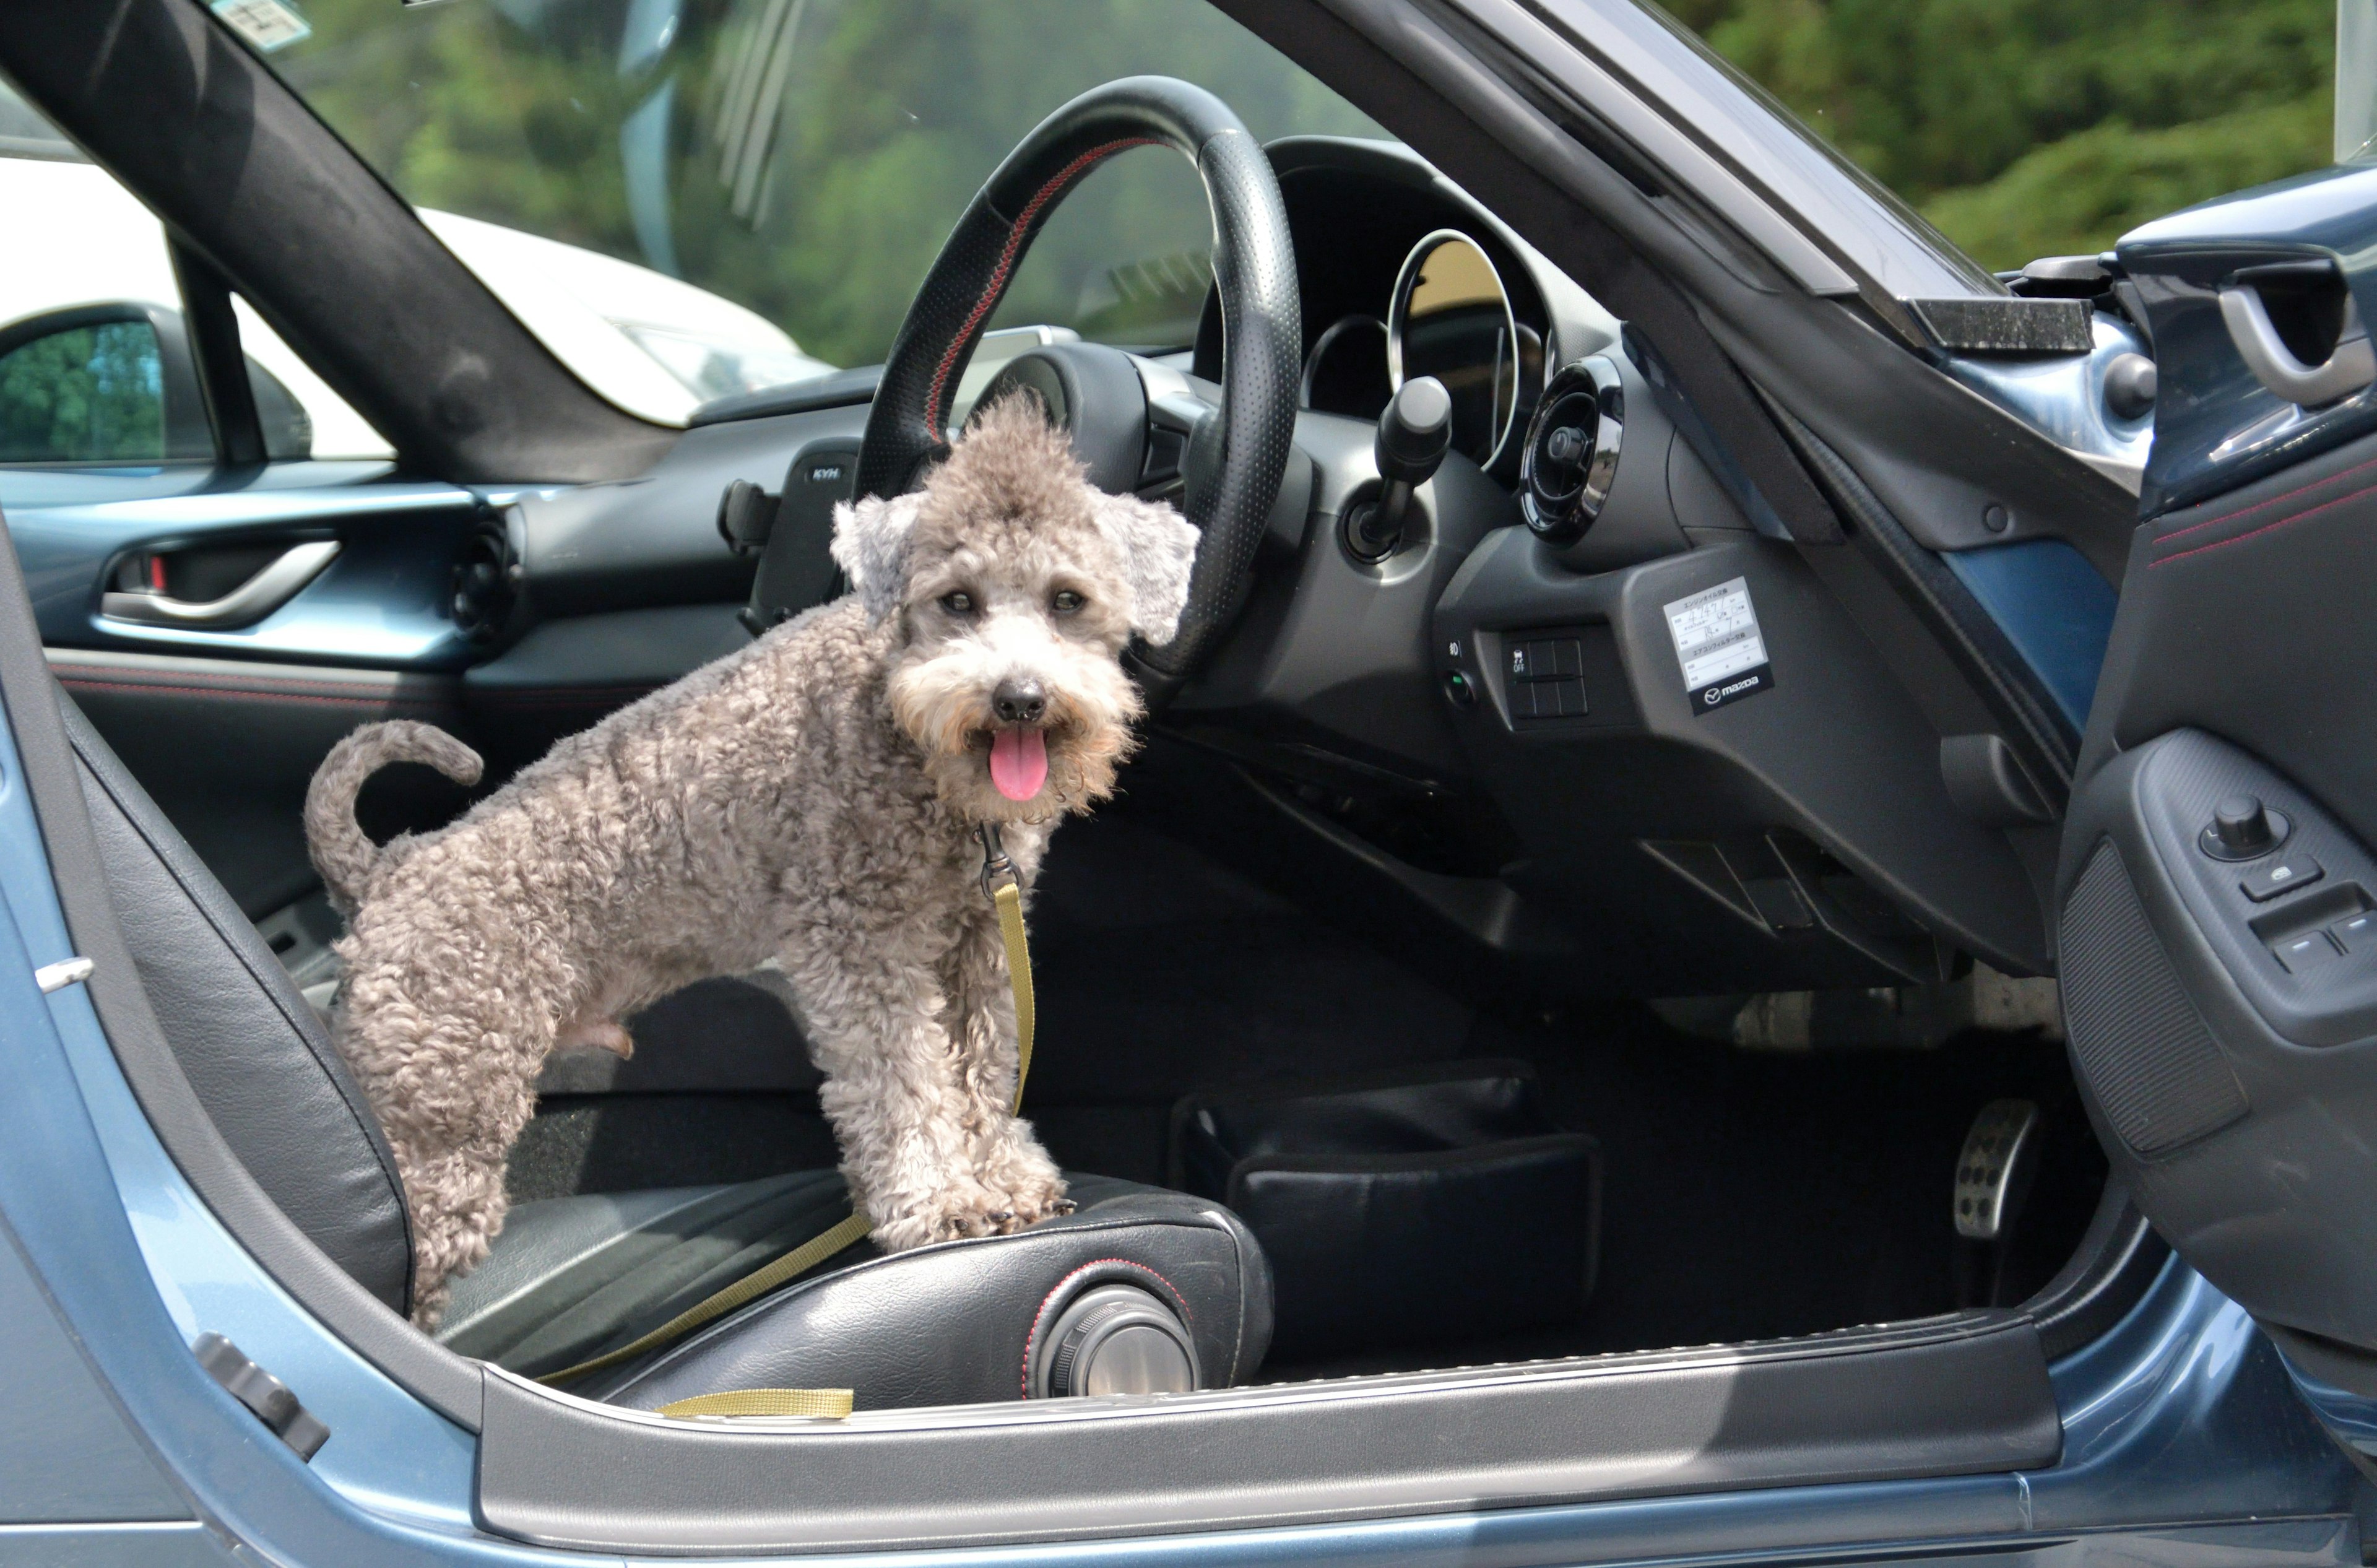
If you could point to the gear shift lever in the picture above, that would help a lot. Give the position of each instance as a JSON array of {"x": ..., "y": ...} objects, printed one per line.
[{"x": 1414, "y": 432}]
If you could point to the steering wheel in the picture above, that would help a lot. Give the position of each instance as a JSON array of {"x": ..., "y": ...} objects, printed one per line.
[{"x": 1235, "y": 455}]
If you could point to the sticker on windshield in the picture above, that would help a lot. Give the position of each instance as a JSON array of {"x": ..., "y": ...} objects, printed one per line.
[
  {"x": 267, "y": 24},
  {"x": 1718, "y": 643}
]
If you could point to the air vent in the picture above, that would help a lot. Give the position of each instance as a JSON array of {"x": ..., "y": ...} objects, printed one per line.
[{"x": 483, "y": 581}]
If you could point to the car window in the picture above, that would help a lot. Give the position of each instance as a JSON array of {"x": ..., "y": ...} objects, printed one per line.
[
  {"x": 750, "y": 190},
  {"x": 102, "y": 251}
]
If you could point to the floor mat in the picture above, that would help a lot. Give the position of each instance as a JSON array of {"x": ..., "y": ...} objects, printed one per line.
[{"x": 1750, "y": 1195}]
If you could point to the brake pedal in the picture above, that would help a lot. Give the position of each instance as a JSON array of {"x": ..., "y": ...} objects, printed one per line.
[{"x": 1994, "y": 1171}]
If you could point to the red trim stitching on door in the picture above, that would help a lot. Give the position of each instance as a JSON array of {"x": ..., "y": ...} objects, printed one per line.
[
  {"x": 2255, "y": 533},
  {"x": 251, "y": 694},
  {"x": 1015, "y": 235},
  {"x": 2258, "y": 506}
]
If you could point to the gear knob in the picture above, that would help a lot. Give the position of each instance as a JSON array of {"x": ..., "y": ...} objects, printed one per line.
[{"x": 1414, "y": 432}]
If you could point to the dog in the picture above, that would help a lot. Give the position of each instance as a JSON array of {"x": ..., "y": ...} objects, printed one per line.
[{"x": 812, "y": 799}]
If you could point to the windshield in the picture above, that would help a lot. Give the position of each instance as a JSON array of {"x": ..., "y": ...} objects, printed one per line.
[{"x": 796, "y": 162}]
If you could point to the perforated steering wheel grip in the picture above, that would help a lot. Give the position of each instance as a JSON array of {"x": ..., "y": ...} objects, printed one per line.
[{"x": 1229, "y": 499}]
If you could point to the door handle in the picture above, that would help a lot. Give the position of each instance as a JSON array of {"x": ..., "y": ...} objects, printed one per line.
[
  {"x": 2351, "y": 366},
  {"x": 244, "y": 606}
]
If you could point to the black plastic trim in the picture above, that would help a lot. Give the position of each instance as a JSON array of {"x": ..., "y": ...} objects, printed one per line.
[
  {"x": 854, "y": 388},
  {"x": 2119, "y": 1257},
  {"x": 2045, "y": 741},
  {"x": 1965, "y": 1394},
  {"x": 222, "y": 366}
]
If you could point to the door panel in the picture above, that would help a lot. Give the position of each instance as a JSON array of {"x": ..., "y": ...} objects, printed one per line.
[
  {"x": 226, "y": 748},
  {"x": 222, "y": 717},
  {"x": 2230, "y": 1045},
  {"x": 2220, "y": 985}
]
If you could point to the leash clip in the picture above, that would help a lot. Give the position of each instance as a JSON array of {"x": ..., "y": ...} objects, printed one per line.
[{"x": 997, "y": 868}]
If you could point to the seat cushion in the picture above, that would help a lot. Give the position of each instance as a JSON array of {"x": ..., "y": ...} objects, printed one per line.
[
  {"x": 571, "y": 1277},
  {"x": 954, "y": 1323}
]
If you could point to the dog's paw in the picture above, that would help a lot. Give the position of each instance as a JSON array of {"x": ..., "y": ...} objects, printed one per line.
[{"x": 1034, "y": 1199}]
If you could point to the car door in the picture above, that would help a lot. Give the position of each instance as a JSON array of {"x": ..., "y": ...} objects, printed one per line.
[
  {"x": 233, "y": 575},
  {"x": 2217, "y": 887}
]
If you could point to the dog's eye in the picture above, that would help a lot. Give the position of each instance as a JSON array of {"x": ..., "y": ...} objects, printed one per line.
[
  {"x": 960, "y": 604},
  {"x": 1066, "y": 602}
]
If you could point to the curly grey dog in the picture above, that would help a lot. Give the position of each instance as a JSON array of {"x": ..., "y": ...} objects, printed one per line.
[{"x": 812, "y": 799}]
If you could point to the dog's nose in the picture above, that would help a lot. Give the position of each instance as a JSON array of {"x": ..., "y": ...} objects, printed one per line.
[{"x": 1019, "y": 701}]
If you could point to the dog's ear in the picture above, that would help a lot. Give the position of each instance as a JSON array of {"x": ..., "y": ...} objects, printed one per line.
[
  {"x": 870, "y": 544},
  {"x": 1158, "y": 548}
]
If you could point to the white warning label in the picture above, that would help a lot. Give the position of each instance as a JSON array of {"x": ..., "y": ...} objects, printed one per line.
[
  {"x": 267, "y": 24},
  {"x": 1718, "y": 643}
]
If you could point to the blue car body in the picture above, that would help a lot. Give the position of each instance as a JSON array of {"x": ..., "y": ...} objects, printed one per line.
[{"x": 2188, "y": 1437}]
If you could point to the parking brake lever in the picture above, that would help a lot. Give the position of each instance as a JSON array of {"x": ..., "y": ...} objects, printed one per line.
[{"x": 1414, "y": 432}]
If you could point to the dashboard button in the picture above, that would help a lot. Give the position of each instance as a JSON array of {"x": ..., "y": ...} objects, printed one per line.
[
  {"x": 2264, "y": 883},
  {"x": 2358, "y": 934}
]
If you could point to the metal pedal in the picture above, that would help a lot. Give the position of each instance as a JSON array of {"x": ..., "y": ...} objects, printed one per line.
[{"x": 1994, "y": 1171}]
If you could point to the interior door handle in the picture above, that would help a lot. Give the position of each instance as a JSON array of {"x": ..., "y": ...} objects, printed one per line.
[
  {"x": 244, "y": 606},
  {"x": 2351, "y": 366}
]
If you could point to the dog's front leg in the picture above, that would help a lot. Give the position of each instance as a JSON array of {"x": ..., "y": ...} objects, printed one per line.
[
  {"x": 1006, "y": 1155},
  {"x": 893, "y": 1095}
]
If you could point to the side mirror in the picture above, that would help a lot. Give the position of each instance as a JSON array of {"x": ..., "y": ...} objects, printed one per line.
[{"x": 114, "y": 383}]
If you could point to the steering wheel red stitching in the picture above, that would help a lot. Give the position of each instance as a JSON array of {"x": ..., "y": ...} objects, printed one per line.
[
  {"x": 1016, "y": 235},
  {"x": 1239, "y": 461}
]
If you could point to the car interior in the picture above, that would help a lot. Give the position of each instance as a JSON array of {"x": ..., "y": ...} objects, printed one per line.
[{"x": 1566, "y": 908}]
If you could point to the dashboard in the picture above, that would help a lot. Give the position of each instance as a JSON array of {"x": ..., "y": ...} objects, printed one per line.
[
  {"x": 1361, "y": 214},
  {"x": 1487, "y": 735}
]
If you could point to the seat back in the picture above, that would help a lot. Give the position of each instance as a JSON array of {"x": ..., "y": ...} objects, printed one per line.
[{"x": 252, "y": 1048}]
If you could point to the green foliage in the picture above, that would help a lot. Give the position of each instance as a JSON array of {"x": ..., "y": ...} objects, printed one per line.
[
  {"x": 89, "y": 394},
  {"x": 817, "y": 151},
  {"x": 2032, "y": 127},
  {"x": 2078, "y": 194}
]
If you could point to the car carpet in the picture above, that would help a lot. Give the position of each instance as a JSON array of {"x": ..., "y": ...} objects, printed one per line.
[{"x": 1750, "y": 1195}]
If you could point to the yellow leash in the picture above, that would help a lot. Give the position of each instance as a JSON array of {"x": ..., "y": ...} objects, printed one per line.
[{"x": 1006, "y": 891}]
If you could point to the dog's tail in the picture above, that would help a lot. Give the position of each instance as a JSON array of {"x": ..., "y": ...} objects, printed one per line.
[{"x": 343, "y": 852}]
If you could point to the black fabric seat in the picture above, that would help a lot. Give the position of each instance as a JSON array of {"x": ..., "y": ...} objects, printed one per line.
[{"x": 572, "y": 1277}]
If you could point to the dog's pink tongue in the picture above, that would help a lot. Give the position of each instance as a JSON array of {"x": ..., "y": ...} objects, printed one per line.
[{"x": 1019, "y": 763}]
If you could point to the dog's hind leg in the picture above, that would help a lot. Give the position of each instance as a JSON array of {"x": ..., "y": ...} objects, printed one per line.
[{"x": 596, "y": 1034}]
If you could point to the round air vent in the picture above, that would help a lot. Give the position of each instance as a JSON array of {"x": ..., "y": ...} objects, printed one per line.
[
  {"x": 482, "y": 593},
  {"x": 1571, "y": 458}
]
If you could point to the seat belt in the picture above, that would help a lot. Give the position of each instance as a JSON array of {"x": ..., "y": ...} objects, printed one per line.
[{"x": 1006, "y": 892}]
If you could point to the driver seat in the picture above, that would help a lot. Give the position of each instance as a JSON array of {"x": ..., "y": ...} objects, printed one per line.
[{"x": 571, "y": 1278}]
